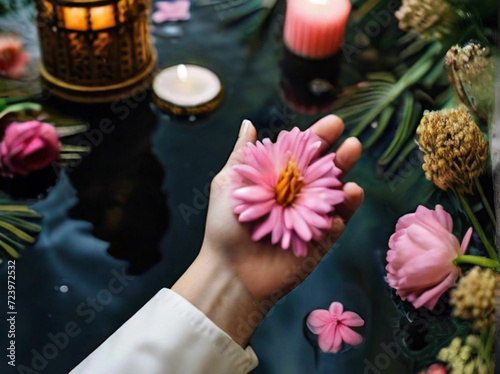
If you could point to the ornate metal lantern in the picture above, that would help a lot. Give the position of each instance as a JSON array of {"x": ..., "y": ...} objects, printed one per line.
[{"x": 95, "y": 50}]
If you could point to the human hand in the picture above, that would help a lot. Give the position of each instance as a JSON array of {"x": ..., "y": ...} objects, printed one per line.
[{"x": 255, "y": 275}]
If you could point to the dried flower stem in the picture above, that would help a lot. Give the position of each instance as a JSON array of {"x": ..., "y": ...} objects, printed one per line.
[
  {"x": 486, "y": 204},
  {"x": 477, "y": 260},
  {"x": 477, "y": 227}
]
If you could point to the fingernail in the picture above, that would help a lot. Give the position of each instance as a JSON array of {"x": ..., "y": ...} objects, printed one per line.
[{"x": 244, "y": 128}]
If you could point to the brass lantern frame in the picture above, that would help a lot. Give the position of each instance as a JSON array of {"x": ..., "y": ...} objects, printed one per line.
[{"x": 95, "y": 51}]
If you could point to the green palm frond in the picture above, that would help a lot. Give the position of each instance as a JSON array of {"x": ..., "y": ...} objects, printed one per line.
[
  {"x": 373, "y": 103},
  {"x": 16, "y": 227}
]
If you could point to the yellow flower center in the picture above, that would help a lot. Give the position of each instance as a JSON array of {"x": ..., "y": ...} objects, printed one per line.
[{"x": 289, "y": 184}]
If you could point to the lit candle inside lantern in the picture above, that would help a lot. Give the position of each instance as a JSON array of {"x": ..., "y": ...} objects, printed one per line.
[
  {"x": 315, "y": 28},
  {"x": 187, "y": 89},
  {"x": 101, "y": 17}
]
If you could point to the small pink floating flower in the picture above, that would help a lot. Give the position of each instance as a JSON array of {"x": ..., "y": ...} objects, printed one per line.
[
  {"x": 436, "y": 369},
  {"x": 420, "y": 260},
  {"x": 332, "y": 327},
  {"x": 13, "y": 59},
  {"x": 28, "y": 146},
  {"x": 287, "y": 189},
  {"x": 177, "y": 10}
]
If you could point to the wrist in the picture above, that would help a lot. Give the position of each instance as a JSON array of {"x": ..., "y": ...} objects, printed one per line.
[{"x": 211, "y": 285}]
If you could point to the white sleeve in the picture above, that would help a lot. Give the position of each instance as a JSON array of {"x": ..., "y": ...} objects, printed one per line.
[{"x": 169, "y": 335}]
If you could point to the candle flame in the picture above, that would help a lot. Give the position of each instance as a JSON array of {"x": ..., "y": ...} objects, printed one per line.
[{"x": 182, "y": 73}]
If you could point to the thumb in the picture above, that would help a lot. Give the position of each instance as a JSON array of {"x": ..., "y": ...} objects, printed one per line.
[{"x": 247, "y": 134}]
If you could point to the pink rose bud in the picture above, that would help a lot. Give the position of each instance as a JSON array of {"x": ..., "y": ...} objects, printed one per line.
[
  {"x": 420, "y": 260},
  {"x": 28, "y": 146},
  {"x": 13, "y": 59}
]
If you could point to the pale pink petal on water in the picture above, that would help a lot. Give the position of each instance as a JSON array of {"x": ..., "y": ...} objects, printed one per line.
[
  {"x": 349, "y": 336},
  {"x": 336, "y": 308},
  {"x": 318, "y": 320},
  {"x": 337, "y": 341},
  {"x": 351, "y": 319},
  {"x": 327, "y": 337}
]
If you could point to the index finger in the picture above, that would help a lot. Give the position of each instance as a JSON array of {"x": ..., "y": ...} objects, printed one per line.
[{"x": 329, "y": 129}]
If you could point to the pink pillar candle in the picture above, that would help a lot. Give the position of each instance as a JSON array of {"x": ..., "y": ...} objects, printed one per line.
[{"x": 315, "y": 28}]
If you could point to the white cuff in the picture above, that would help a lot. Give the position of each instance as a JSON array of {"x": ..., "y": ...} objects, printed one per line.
[{"x": 169, "y": 336}]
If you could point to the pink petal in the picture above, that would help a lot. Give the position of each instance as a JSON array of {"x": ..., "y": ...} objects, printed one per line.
[
  {"x": 351, "y": 319},
  {"x": 313, "y": 218},
  {"x": 336, "y": 309},
  {"x": 337, "y": 341},
  {"x": 331, "y": 182},
  {"x": 430, "y": 298},
  {"x": 253, "y": 194},
  {"x": 316, "y": 205},
  {"x": 278, "y": 228},
  {"x": 250, "y": 173},
  {"x": 288, "y": 218},
  {"x": 241, "y": 207},
  {"x": 286, "y": 238},
  {"x": 256, "y": 211},
  {"x": 444, "y": 218},
  {"x": 299, "y": 225},
  {"x": 318, "y": 319},
  {"x": 266, "y": 226},
  {"x": 299, "y": 247},
  {"x": 319, "y": 168},
  {"x": 465, "y": 241},
  {"x": 349, "y": 336},
  {"x": 327, "y": 337}
]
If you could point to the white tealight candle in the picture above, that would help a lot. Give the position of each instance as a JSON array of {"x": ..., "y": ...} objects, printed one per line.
[{"x": 187, "y": 89}]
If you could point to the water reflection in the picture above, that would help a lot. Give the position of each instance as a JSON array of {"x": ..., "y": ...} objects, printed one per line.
[{"x": 119, "y": 184}]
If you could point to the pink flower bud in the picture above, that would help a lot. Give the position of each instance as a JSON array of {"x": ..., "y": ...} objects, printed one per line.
[
  {"x": 420, "y": 260},
  {"x": 13, "y": 59},
  {"x": 28, "y": 146}
]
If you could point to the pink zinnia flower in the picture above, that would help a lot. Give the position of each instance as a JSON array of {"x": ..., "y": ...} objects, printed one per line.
[
  {"x": 28, "y": 146},
  {"x": 332, "y": 327},
  {"x": 420, "y": 260},
  {"x": 13, "y": 59},
  {"x": 287, "y": 189}
]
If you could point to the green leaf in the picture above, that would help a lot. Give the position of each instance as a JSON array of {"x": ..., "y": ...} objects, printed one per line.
[
  {"x": 412, "y": 75},
  {"x": 385, "y": 117},
  {"x": 17, "y": 232},
  {"x": 401, "y": 132},
  {"x": 21, "y": 106},
  {"x": 11, "y": 241},
  {"x": 11, "y": 251},
  {"x": 20, "y": 223}
]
